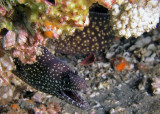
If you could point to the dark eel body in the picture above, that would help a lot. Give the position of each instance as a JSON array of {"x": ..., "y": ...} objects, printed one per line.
[
  {"x": 94, "y": 38},
  {"x": 52, "y": 76}
]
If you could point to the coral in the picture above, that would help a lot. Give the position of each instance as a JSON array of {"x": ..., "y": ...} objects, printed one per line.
[
  {"x": 63, "y": 15},
  {"x": 135, "y": 19},
  {"x": 23, "y": 46}
]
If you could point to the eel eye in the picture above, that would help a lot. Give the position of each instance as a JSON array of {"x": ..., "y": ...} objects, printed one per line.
[{"x": 66, "y": 81}]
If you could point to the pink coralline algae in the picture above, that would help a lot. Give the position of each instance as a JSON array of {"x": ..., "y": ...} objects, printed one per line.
[
  {"x": 2, "y": 11},
  {"x": 23, "y": 46}
]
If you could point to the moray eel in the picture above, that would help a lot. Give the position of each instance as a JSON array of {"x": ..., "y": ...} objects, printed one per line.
[
  {"x": 50, "y": 75},
  {"x": 94, "y": 38}
]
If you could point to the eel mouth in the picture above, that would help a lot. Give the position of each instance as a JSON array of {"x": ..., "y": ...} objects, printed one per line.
[{"x": 74, "y": 98}]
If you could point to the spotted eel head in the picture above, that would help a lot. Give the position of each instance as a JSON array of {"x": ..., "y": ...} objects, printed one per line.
[
  {"x": 71, "y": 83},
  {"x": 68, "y": 81}
]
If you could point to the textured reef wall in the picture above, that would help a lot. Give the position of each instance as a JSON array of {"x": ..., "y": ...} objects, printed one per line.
[{"x": 27, "y": 24}]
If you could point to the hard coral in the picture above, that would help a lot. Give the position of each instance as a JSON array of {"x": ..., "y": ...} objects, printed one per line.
[{"x": 135, "y": 19}]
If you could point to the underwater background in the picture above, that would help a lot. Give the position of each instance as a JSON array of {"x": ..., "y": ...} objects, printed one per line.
[{"x": 79, "y": 56}]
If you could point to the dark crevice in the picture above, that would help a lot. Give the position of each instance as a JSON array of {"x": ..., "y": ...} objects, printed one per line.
[
  {"x": 52, "y": 1},
  {"x": 98, "y": 8}
]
